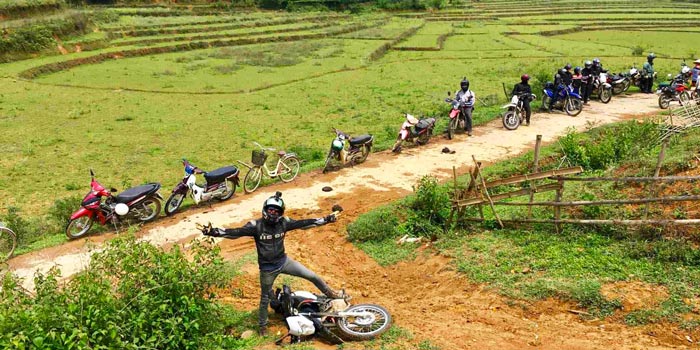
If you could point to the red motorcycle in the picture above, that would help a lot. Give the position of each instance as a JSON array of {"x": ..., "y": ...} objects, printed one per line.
[
  {"x": 673, "y": 91},
  {"x": 414, "y": 129},
  {"x": 141, "y": 203}
]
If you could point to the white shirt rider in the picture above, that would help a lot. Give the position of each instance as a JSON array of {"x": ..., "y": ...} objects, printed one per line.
[{"x": 467, "y": 97}]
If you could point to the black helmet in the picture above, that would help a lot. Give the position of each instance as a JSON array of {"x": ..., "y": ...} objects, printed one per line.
[
  {"x": 273, "y": 208},
  {"x": 568, "y": 66},
  {"x": 651, "y": 57},
  {"x": 577, "y": 70},
  {"x": 524, "y": 78},
  {"x": 596, "y": 61},
  {"x": 562, "y": 72},
  {"x": 587, "y": 64},
  {"x": 464, "y": 84}
]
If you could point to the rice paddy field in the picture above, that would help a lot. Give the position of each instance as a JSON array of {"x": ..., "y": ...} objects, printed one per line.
[{"x": 137, "y": 94}]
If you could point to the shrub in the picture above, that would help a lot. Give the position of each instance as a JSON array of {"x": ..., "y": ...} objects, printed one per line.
[
  {"x": 637, "y": 51},
  {"x": 132, "y": 296},
  {"x": 376, "y": 225}
]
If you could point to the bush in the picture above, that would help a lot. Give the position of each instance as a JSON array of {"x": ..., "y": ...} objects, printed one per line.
[
  {"x": 376, "y": 225},
  {"x": 431, "y": 201},
  {"x": 132, "y": 296}
]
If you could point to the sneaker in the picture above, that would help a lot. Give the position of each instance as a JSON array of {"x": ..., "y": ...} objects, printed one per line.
[
  {"x": 262, "y": 331},
  {"x": 469, "y": 133},
  {"x": 338, "y": 294},
  {"x": 527, "y": 124}
]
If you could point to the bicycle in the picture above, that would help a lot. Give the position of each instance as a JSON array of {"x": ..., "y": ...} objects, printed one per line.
[
  {"x": 287, "y": 167},
  {"x": 8, "y": 242}
]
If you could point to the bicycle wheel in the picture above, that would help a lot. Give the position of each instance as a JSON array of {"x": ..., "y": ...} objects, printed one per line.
[
  {"x": 8, "y": 241},
  {"x": 252, "y": 179},
  {"x": 289, "y": 168}
]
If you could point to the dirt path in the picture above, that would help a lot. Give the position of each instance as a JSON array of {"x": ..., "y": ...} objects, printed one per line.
[{"x": 425, "y": 296}]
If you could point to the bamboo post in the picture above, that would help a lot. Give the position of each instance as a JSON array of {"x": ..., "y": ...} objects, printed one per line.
[
  {"x": 557, "y": 209},
  {"x": 657, "y": 171},
  {"x": 455, "y": 197},
  {"x": 486, "y": 192},
  {"x": 473, "y": 186},
  {"x": 535, "y": 168}
]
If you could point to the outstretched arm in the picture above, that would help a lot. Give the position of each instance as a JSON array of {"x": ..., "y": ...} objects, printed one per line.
[
  {"x": 292, "y": 224},
  {"x": 248, "y": 229}
]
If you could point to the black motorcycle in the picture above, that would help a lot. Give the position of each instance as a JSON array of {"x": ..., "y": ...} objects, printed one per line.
[{"x": 333, "y": 320}]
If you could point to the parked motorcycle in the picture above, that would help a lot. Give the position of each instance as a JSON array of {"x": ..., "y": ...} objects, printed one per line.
[
  {"x": 602, "y": 88},
  {"x": 416, "y": 130},
  {"x": 635, "y": 77},
  {"x": 515, "y": 112},
  {"x": 620, "y": 83},
  {"x": 673, "y": 91},
  {"x": 333, "y": 320},
  {"x": 220, "y": 184},
  {"x": 457, "y": 119},
  {"x": 348, "y": 150},
  {"x": 140, "y": 203},
  {"x": 568, "y": 100}
]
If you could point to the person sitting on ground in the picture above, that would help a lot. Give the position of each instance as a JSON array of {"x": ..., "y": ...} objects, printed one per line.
[
  {"x": 524, "y": 93},
  {"x": 269, "y": 232},
  {"x": 467, "y": 99}
]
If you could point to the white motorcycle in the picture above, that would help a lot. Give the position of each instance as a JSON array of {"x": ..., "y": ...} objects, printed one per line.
[
  {"x": 602, "y": 88},
  {"x": 221, "y": 184},
  {"x": 515, "y": 112}
]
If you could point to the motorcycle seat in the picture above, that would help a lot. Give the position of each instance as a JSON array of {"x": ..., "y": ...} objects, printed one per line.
[
  {"x": 219, "y": 175},
  {"x": 360, "y": 139},
  {"x": 136, "y": 192}
]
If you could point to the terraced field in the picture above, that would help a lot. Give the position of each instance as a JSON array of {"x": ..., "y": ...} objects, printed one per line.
[{"x": 163, "y": 83}]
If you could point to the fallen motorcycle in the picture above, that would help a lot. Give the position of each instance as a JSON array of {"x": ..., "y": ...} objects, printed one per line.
[
  {"x": 414, "y": 130},
  {"x": 333, "y": 320},
  {"x": 220, "y": 184},
  {"x": 348, "y": 150},
  {"x": 515, "y": 112},
  {"x": 141, "y": 203}
]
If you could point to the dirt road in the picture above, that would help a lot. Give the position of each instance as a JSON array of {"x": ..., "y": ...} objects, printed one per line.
[{"x": 425, "y": 296}]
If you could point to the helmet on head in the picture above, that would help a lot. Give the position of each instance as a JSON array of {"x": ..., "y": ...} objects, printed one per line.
[
  {"x": 568, "y": 66},
  {"x": 464, "y": 84},
  {"x": 651, "y": 57},
  {"x": 685, "y": 70},
  {"x": 596, "y": 61},
  {"x": 577, "y": 70},
  {"x": 273, "y": 208},
  {"x": 411, "y": 119},
  {"x": 697, "y": 61},
  {"x": 524, "y": 78},
  {"x": 587, "y": 64},
  {"x": 562, "y": 71}
]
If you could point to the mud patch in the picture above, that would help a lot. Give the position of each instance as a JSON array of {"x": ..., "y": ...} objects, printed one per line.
[{"x": 635, "y": 295}]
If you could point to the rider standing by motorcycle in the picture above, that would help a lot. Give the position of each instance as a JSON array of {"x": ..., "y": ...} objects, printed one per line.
[
  {"x": 696, "y": 73},
  {"x": 467, "y": 97},
  {"x": 587, "y": 80},
  {"x": 576, "y": 80},
  {"x": 269, "y": 232},
  {"x": 559, "y": 84},
  {"x": 648, "y": 74},
  {"x": 524, "y": 93},
  {"x": 568, "y": 76}
]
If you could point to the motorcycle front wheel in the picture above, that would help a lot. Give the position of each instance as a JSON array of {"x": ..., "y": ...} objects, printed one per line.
[
  {"x": 376, "y": 321},
  {"x": 329, "y": 159},
  {"x": 573, "y": 106},
  {"x": 511, "y": 121},
  {"x": 452, "y": 128},
  {"x": 664, "y": 102},
  {"x": 397, "y": 146},
  {"x": 289, "y": 169},
  {"x": 79, "y": 227},
  {"x": 605, "y": 95},
  {"x": 252, "y": 179},
  {"x": 173, "y": 203},
  {"x": 147, "y": 210}
]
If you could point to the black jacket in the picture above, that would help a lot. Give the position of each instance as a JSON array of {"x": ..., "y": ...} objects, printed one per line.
[
  {"x": 521, "y": 88},
  {"x": 269, "y": 242},
  {"x": 586, "y": 75}
]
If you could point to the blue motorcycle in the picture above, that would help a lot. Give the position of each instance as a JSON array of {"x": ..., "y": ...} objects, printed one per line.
[{"x": 568, "y": 100}]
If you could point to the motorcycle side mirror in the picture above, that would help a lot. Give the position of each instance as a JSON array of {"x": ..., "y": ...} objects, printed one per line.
[
  {"x": 92, "y": 173},
  {"x": 448, "y": 93},
  {"x": 113, "y": 190}
]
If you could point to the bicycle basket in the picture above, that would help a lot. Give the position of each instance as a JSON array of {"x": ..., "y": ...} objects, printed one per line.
[{"x": 259, "y": 157}]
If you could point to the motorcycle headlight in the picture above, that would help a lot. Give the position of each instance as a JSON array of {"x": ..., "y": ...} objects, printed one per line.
[{"x": 337, "y": 145}]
